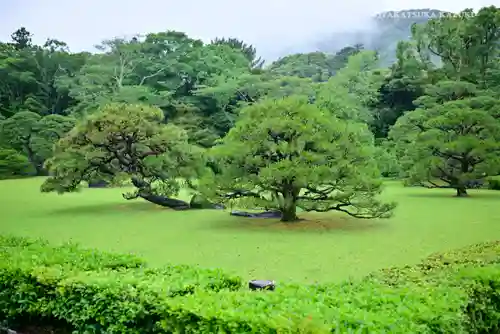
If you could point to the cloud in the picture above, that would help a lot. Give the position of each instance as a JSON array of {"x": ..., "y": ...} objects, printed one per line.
[{"x": 271, "y": 25}]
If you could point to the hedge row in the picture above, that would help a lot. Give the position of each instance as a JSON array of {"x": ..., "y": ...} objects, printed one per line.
[
  {"x": 456, "y": 292},
  {"x": 91, "y": 291},
  {"x": 439, "y": 265},
  {"x": 40, "y": 253},
  {"x": 452, "y": 292},
  {"x": 71, "y": 260}
]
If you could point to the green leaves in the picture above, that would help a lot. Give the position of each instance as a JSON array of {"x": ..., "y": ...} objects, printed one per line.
[
  {"x": 287, "y": 153},
  {"x": 348, "y": 94},
  {"x": 34, "y": 135},
  {"x": 466, "y": 44},
  {"x": 88, "y": 290},
  {"x": 17, "y": 130},
  {"x": 451, "y": 142},
  {"x": 13, "y": 164},
  {"x": 124, "y": 139}
]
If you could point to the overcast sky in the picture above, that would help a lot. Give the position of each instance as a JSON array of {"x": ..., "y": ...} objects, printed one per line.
[{"x": 270, "y": 25}]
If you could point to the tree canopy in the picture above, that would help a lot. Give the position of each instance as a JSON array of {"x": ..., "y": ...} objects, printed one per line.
[
  {"x": 288, "y": 153},
  {"x": 123, "y": 139}
]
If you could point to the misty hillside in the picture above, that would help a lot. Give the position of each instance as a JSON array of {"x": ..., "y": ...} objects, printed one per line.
[{"x": 381, "y": 33}]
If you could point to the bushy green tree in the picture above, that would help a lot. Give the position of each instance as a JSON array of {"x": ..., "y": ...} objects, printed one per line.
[
  {"x": 34, "y": 135},
  {"x": 13, "y": 164},
  {"x": 288, "y": 153},
  {"x": 353, "y": 89},
  {"x": 387, "y": 160},
  {"x": 450, "y": 144},
  {"x": 125, "y": 139}
]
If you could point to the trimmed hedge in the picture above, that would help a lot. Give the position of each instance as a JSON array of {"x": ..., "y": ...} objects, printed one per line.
[
  {"x": 438, "y": 266},
  {"x": 40, "y": 253},
  {"x": 90, "y": 291},
  {"x": 451, "y": 292},
  {"x": 359, "y": 308},
  {"x": 494, "y": 184},
  {"x": 454, "y": 292}
]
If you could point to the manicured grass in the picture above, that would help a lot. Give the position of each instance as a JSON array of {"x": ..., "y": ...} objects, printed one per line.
[{"x": 325, "y": 248}]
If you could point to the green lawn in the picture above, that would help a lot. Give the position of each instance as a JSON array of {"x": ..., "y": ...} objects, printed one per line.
[{"x": 327, "y": 247}]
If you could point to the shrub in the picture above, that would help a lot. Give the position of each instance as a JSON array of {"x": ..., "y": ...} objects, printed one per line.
[
  {"x": 474, "y": 270},
  {"x": 445, "y": 293},
  {"x": 453, "y": 292},
  {"x": 92, "y": 291},
  {"x": 366, "y": 307},
  {"x": 439, "y": 264},
  {"x": 13, "y": 164},
  {"x": 388, "y": 163},
  {"x": 483, "y": 307},
  {"x": 494, "y": 183},
  {"x": 34, "y": 253}
]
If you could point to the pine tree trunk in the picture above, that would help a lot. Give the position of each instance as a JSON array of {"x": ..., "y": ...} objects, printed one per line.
[
  {"x": 461, "y": 192},
  {"x": 289, "y": 210},
  {"x": 289, "y": 214}
]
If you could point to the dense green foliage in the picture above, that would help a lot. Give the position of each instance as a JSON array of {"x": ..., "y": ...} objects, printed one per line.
[
  {"x": 123, "y": 139},
  {"x": 86, "y": 291},
  {"x": 433, "y": 114},
  {"x": 13, "y": 164},
  {"x": 43, "y": 280},
  {"x": 289, "y": 153},
  {"x": 312, "y": 131}
]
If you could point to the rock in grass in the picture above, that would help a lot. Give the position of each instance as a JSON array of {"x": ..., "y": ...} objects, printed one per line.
[
  {"x": 262, "y": 285},
  {"x": 265, "y": 214},
  {"x": 98, "y": 184}
]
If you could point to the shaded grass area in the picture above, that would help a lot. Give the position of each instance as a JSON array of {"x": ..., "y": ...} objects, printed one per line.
[{"x": 325, "y": 247}]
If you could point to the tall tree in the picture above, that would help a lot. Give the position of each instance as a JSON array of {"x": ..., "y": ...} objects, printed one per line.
[
  {"x": 123, "y": 139},
  {"x": 288, "y": 153},
  {"x": 318, "y": 66},
  {"x": 247, "y": 49},
  {"x": 29, "y": 77},
  {"x": 34, "y": 135},
  {"x": 112, "y": 76},
  {"x": 452, "y": 140},
  {"x": 21, "y": 38},
  {"x": 466, "y": 44},
  {"x": 405, "y": 83},
  {"x": 349, "y": 94}
]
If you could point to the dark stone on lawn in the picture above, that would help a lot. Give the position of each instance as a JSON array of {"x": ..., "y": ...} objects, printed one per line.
[
  {"x": 98, "y": 184},
  {"x": 262, "y": 285},
  {"x": 474, "y": 184},
  {"x": 266, "y": 214}
]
